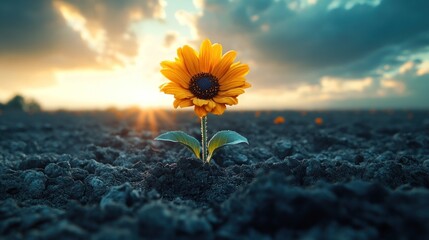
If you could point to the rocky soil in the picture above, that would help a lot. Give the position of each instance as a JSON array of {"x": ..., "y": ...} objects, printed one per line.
[{"x": 99, "y": 175}]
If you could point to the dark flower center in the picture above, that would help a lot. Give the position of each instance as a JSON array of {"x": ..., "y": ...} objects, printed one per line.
[{"x": 204, "y": 85}]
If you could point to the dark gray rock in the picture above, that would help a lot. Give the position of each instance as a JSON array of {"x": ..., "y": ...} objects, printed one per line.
[
  {"x": 116, "y": 234},
  {"x": 283, "y": 148},
  {"x": 273, "y": 159},
  {"x": 34, "y": 216},
  {"x": 77, "y": 190},
  {"x": 261, "y": 153},
  {"x": 9, "y": 225},
  {"x": 64, "y": 230},
  {"x": 386, "y": 156},
  {"x": 358, "y": 159},
  {"x": 292, "y": 162},
  {"x": 17, "y": 146},
  {"x": 96, "y": 184},
  {"x": 106, "y": 155},
  {"x": 426, "y": 164},
  {"x": 9, "y": 219},
  {"x": 314, "y": 168},
  {"x": 34, "y": 183},
  {"x": 158, "y": 220},
  {"x": 240, "y": 159},
  {"x": 78, "y": 173},
  {"x": 34, "y": 161},
  {"x": 54, "y": 170},
  {"x": 123, "y": 195}
]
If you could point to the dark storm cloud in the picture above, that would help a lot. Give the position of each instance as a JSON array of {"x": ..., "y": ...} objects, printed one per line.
[
  {"x": 34, "y": 32},
  {"x": 324, "y": 38},
  {"x": 341, "y": 40}
]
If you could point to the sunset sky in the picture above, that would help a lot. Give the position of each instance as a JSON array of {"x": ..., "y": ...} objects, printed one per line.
[{"x": 303, "y": 54}]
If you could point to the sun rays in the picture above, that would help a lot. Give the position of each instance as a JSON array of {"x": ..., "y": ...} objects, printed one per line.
[{"x": 149, "y": 120}]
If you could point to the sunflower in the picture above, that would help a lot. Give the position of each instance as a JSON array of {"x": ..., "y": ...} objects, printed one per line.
[{"x": 206, "y": 80}]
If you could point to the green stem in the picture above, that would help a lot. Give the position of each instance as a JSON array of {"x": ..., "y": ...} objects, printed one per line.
[{"x": 204, "y": 138}]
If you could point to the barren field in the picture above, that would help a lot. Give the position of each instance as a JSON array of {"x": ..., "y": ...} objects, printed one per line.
[{"x": 100, "y": 175}]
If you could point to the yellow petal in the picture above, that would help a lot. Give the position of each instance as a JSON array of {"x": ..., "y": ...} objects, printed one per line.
[
  {"x": 231, "y": 93},
  {"x": 176, "y": 66},
  {"x": 210, "y": 105},
  {"x": 205, "y": 55},
  {"x": 237, "y": 70},
  {"x": 176, "y": 102},
  {"x": 176, "y": 77},
  {"x": 226, "y": 100},
  {"x": 216, "y": 55},
  {"x": 180, "y": 57},
  {"x": 190, "y": 59},
  {"x": 247, "y": 85},
  {"x": 219, "y": 109},
  {"x": 200, "y": 102},
  {"x": 225, "y": 63},
  {"x": 176, "y": 90},
  {"x": 186, "y": 103},
  {"x": 168, "y": 86},
  {"x": 182, "y": 103},
  {"x": 232, "y": 84},
  {"x": 200, "y": 111}
]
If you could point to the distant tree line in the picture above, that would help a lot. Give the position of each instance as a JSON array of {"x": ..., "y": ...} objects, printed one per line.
[{"x": 19, "y": 103}]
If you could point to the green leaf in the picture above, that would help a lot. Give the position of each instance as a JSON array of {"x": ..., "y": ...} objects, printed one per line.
[
  {"x": 222, "y": 138},
  {"x": 183, "y": 138}
]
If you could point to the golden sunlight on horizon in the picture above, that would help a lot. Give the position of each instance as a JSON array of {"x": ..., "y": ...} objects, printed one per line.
[
  {"x": 134, "y": 84},
  {"x": 147, "y": 119},
  {"x": 133, "y": 81},
  {"x": 120, "y": 88}
]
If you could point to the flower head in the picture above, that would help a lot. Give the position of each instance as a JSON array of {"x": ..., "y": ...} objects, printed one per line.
[{"x": 206, "y": 80}]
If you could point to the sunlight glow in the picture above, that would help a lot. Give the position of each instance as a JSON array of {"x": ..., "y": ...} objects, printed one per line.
[
  {"x": 150, "y": 119},
  {"x": 399, "y": 87},
  {"x": 100, "y": 89},
  {"x": 423, "y": 69},
  {"x": 406, "y": 67},
  {"x": 338, "y": 85}
]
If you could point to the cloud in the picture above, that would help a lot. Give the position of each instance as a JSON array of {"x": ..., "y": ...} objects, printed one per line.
[
  {"x": 312, "y": 96},
  {"x": 106, "y": 25},
  {"x": 315, "y": 36},
  {"x": 335, "y": 85},
  {"x": 170, "y": 38},
  {"x": 62, "y": 33},
  {"x": 292, "y": 43},
  {"x": 33, "y": 33},
  {"x": 423, "y": 69},
  {"x": 406, "y": 67},
  {"x": 41, "y": 36},
  {"x": 397, "y": 86},
  {"x": 404, "y": 87}
]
